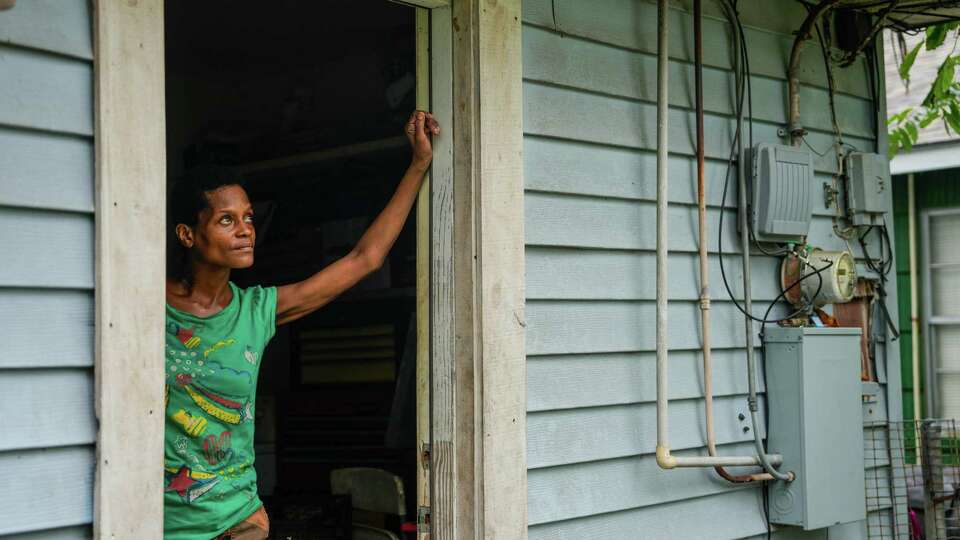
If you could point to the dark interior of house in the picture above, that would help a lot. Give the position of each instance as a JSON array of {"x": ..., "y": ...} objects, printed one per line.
[{"x": 307, "y": 100}]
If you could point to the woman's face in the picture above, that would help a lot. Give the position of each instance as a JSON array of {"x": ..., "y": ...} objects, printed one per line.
[{"x": 224, "y": 235}]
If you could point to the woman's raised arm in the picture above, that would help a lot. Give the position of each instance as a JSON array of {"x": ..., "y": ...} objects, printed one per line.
[{"x": 302, "y": 298}]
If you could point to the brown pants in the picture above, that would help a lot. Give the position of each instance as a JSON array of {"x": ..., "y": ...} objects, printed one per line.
[{"x": 255, "y": 527}]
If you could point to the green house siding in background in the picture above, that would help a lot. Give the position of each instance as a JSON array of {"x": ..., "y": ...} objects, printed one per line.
[{"x": 933, "y": 190}]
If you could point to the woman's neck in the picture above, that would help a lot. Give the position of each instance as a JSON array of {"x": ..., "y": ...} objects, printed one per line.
[{"x": 207, "y": 293}]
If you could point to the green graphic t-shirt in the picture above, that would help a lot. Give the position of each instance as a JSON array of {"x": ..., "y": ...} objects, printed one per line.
[{"x": 212, "y": 365}]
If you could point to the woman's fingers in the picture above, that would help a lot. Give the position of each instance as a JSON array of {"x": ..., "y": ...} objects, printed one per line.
[{"x": 410, "y": 128}]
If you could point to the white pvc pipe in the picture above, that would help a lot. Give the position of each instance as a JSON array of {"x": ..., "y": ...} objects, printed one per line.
[{"x": 725, "y": 461}]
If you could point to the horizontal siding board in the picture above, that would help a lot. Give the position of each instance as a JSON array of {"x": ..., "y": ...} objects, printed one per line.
[
  {"x": 575, "y": 274},
  {"x": 562, "y": 493},
  {"x": 46, "y": 92},
  {"x": 568, "y": 61},
  {"x": 53, "y": 328},
  {"x": 717, "y": 517},
  {"x": 571, "y": 114},
  {"x": 571, "y": 327},
  {"x": 60, "y": 26},
  {"x": 572, "y": 221},
  {"x": 66, "y": 533},
  {"x": 45, "y": 489},
  {"x": 632, "y": 24},
  {"x": 562, "y": 220},
  {"x": 576, "y": 168},
  {"x": 592, "y": 380},
  {"x": 46, "y": 408},
  {"x": 42, "y": 170},
  {"x": 598, "y": 433},
  {"x": 46, "y": 249}
]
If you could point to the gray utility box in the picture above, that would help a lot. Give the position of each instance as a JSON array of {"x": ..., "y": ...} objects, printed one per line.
[
  {"x": 782, "y": 192},
  {"x": 816, "y": 422},
  {"x": 868, "y": 180}
]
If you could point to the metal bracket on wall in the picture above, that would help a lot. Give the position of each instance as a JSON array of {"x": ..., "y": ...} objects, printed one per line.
[
  {"x": 425, "y": 455},
  {"x": 423, "y": 519}
]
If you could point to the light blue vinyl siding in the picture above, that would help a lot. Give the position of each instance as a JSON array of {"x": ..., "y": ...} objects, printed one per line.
[
  {"x": 47, "y": 422},
  {"x": 589, "y": 167}
]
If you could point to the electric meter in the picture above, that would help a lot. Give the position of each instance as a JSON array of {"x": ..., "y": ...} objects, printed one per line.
[{"x": 839, "y": 280}]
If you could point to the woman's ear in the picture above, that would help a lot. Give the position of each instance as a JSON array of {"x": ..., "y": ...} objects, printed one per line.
[{"x": 185, "y": 235}]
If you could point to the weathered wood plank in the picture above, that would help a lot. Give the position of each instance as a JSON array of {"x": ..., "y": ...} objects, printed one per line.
[
  {"x": 578, "y": 274},
  {"x": 58, "y": 26},
  {"x": 53, "y": 328},
  {"x": 632, "y": 24},
  {"x": 131, "y": 200},
  {"x": 423, "y": 263},
  {"x": 726, "y": 515},
  {"x": 598, "y": 433},
  {"x": 500, "y": 225},
  {"x": 575, "y": 115},
  {"x": 46, "y": 249},
  {"x": 42, "y": 170},
  {"x": 450, "y": 495},
  {"x": 43, "y": 91},
  {"x": 45, "y": 489},
  {"x": 572, "y": 381},
  {"x": 46, "y": 408},
  {"x": 569, "y": 492},
  {"x": 568, "y": 327},
  {"x": 572, "y": 167},
  {"x": 589, "y": 65}
]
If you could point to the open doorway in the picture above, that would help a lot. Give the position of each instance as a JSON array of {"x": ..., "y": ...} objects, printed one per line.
[{"x": 307, "y": 100}]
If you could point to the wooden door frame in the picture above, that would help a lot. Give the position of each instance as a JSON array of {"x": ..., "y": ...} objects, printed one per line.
[
  {"x": 476, "y": 357},
  {"x": 130, "y": 153}
]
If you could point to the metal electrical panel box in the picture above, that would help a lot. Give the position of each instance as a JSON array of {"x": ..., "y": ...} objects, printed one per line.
[
  {"x": 816, "y": 423},
  {"x": 868, "y": 180},
  {"x": 782, "y": 192}
]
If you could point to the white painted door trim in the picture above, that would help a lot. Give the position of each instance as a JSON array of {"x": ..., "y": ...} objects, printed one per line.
[{"x": 130, "y": 157}]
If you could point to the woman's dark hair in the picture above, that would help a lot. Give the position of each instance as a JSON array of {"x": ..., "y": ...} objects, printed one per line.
[{"x": 185, "y": 202}]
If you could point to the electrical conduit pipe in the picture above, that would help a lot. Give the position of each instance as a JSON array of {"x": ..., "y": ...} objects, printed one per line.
[
  {"x": 664, "y": 457},
  {"x": 704, "y": 261}
]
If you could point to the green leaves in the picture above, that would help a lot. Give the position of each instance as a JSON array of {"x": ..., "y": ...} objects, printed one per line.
[
  {"x": 937, "y": 34},
  {"x": 942, "y": 101},
  {"x": 908, "y": 62}
]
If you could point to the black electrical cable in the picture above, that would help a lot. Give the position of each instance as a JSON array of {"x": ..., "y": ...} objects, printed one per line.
[{"x": 742, "y": 83}]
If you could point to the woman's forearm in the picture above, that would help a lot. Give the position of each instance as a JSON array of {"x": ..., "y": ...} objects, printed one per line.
[{"x": 383, "y": 232}]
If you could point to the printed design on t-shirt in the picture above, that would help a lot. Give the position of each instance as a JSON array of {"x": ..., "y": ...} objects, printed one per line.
[
  {"x": 193, "y": 426},
  {"x": 189, "y": 484},
  {"x": 251, "y": 355},
  {"x": 218, "y": 345},
  {"x": 184, "y": 335},
  {"x": 217, "y": 450}
]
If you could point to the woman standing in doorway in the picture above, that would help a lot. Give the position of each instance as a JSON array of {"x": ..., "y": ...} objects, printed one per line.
[{"x": 216, "y": 334}]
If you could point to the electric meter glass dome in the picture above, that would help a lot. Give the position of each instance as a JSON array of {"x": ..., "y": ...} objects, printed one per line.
[{"x": 839, "y": 280}]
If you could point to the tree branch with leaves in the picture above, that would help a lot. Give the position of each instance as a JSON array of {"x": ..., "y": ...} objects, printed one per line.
[{"x": 942, "y": 101}]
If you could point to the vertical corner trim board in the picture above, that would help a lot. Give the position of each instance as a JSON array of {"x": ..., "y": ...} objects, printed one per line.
[
  {"x": 501, "y": 273},
  {"x": 131, "y": 180}
]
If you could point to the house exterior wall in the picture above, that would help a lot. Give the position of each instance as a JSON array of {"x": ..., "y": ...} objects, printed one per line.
[
  {"x": 589, "y": 72},
  {"x": 933, "y": 190},
  {"x": 47, "y": 423}
]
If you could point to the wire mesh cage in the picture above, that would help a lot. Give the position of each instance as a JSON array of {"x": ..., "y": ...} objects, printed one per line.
[{"x": 913, "y": 480}]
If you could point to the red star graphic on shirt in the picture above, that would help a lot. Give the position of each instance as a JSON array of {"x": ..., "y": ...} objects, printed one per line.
[{"x": 181, "y": 482}]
